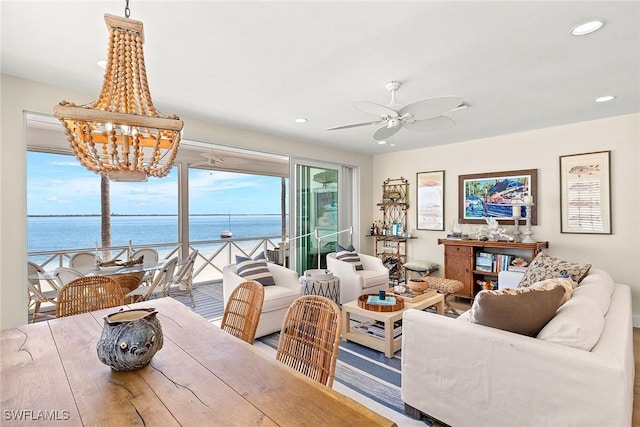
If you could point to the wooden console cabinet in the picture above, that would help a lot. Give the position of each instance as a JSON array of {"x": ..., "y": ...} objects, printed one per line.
[{"x": 460, "y": 260}]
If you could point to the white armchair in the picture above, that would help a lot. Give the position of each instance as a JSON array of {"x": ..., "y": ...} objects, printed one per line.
[
  {"x": 373, "y": 278},
  {"x": 277, "y": 298}
]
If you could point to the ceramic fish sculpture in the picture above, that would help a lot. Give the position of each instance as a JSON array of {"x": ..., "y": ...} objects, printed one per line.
[{"x": 130, "y": 338}]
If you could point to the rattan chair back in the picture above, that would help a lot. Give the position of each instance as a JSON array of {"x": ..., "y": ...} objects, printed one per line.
[
  {"x": 242, "y": 312},
  {"x": 310, "y": 336},
  {"x": 88, "y": 294},
  {"x": 151, "y": 256}
]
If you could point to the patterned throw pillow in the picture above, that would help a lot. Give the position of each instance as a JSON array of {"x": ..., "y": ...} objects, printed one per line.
[
  {"x": 545, "y": 267},
  {"x": 349, "y": 255},
  {"x": 523, "y": 311},
  {"x": 254, "y": 270}
]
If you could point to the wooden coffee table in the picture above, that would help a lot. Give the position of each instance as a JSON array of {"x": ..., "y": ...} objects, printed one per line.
[{"x": 388, "y": 344}]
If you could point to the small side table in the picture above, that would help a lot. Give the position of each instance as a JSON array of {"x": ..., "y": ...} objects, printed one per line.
[{"x": 327, "y": 287}]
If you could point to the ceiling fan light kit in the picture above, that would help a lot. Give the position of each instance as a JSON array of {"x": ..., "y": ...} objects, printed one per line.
[{"x": 423, "y": 115}]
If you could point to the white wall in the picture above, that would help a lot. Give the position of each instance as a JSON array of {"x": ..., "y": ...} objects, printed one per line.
[
  {"x": 540, "y": 149},
  {"x": 19, "y": 96}
]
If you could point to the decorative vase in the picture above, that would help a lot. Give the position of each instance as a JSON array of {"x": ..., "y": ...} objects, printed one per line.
[
  {"x": 130, "y": 338},
  {"x": 417, "y": 286}
]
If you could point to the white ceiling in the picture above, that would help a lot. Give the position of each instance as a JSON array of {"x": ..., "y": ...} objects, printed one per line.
[{"x": 260, "y": 65}]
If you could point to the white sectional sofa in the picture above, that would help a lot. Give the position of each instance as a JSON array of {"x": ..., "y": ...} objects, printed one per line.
[
  {"x": 466, "y": 374},
  {"x": 277, "y": 298}
]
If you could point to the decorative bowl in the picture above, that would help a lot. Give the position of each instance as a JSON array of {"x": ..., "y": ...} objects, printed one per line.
[{"x": 417, "y": 286}]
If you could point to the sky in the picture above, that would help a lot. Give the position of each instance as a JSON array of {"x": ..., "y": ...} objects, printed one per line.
[{"x": 60, "y": 185}]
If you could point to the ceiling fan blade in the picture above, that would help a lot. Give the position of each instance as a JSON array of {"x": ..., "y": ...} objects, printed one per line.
[
  {"x": 431, "y": 107},
  {"x": 434, "y": 123},
  {"x": 354, "y": 125},
  {"x": 373, "y": 108},
  {"x": 386, "y": 132}
]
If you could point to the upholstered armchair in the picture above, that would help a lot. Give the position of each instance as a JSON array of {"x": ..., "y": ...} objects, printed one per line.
[
  {"x": 277, "y": 298},
  {"x": 372, "y": 278}
]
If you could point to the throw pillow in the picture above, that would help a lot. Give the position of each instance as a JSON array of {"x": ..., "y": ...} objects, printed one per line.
[
  {"x": 349, "y": 248},
  {"x": 566, "y": 282},
  {"x": 421, "y": 266},
  {"x": 578, "y": 324},
  {"x": 349, "y": 256},
  {"x": 523, "y": 311},
  {"x": 250, "y": 269},
  {"x": 547, "y": 267}
]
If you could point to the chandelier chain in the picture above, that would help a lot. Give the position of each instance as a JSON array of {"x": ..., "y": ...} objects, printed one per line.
[{"x": 127, "y": 11}]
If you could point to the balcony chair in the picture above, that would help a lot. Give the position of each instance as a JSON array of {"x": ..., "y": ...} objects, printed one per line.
[
  {"x": 88, "y": 293},
  {"x": 372, "y": 278},
  {"x": 310, "y": 336},
  {"x": 38, "y": 296},
  {"x": 182, "y": 282},
  {"x": 150, "y": 259},
  {"x": 242, "y": 311},
  {"x": 277, "y": 298},
  {"x": 159, "y": 286},
  {"x": 83, "y": 259},
  {"x": 65, "y": 275}
]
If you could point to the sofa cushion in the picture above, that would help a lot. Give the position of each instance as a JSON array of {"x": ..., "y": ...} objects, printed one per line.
[
  {"x": 349, "y": 256},
  {"x": 372, "y": 278},
  {"x": 521, "y": 310},
  {"x": 596, "y": 290},
  {"x": 277, "y": 297},
  {"x": 566, "y": 282},
  {"x": 600, "y": 277},
  {"x": 547, "y": 267},
  {"x": 578, "y": 323},
  {"x": 250, "y": 269}
]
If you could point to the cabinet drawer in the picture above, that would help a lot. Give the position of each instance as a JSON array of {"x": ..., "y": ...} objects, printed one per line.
[{"x": 458, "y": 250}]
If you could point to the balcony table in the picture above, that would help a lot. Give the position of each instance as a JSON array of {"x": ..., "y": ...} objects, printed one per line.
[{"x": 201, "y": 376}]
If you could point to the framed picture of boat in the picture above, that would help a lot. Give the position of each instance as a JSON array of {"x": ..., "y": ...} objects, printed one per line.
[
  {"x": 491, "y": 195},
  {"x": 430, "y": 200},
  {"x": 585, "y": 193}
]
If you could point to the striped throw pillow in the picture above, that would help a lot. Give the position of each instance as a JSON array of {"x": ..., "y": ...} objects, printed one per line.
[
  {"x": 351, "y": 257},
  {"x": 254, "y": 270}
]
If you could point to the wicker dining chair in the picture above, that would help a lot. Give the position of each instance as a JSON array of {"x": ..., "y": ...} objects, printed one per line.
[
  {"x": 88, "y": 294},
  {"x": 242, "y": 312},
  {"x": 310, "y": 336}
]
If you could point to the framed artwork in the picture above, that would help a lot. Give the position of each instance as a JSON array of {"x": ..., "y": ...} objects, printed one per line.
[
  {"x": 585, "y": 193},
  {"x": 489, "y": 195},
  {"x": 430, "y": 200}
]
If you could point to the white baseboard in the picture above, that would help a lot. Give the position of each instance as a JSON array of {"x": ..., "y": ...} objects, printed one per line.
[{"x": 636, "y": 320}]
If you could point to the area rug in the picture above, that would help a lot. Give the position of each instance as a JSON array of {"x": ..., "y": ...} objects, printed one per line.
[{"x": 366, "y": 376}]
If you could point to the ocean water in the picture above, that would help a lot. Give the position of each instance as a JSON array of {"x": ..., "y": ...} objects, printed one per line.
[{"x": 59, "y": 233}]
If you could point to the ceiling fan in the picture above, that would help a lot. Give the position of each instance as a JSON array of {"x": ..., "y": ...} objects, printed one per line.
[{"x": 423, "y": 115}]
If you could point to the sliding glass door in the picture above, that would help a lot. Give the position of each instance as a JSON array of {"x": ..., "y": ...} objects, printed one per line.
[{"x": 323, "y": 216}]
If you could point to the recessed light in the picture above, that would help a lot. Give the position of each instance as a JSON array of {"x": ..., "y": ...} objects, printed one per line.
[
  {"x": 301, "y": 120},
  {"x": 606, "y": 98},
  {"x": 587, "y": 28},
  {"x": 392, "y": 145},
  {"x": 382, "y": 142},
  {"x": 102, "y": 64}
]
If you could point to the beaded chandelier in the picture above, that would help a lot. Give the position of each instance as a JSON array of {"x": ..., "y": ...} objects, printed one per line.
[{"x": 121, "y": 134}]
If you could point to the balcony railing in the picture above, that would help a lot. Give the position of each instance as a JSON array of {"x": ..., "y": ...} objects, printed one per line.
[{"x": 213, "y": 255}]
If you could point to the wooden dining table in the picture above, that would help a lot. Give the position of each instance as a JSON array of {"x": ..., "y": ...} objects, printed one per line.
[{"x": 50, "y": 374}]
